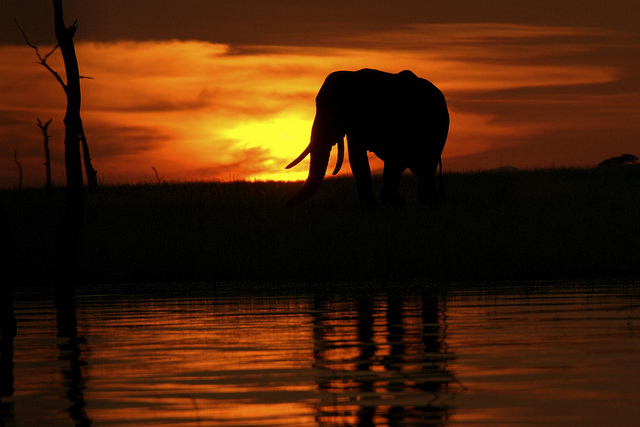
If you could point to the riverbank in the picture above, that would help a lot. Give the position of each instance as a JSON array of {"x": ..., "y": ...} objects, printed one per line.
[{"x": 562, "y": 224}]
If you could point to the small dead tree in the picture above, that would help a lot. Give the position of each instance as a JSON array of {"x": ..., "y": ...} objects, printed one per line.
[
  {"x": 158, "y": 179},
  {"x": 47, "y": 154},
  {"x": 15, "y": 158}
]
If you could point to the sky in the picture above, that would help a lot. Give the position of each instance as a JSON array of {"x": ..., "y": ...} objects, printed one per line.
[{"x": 225, "y": 90}]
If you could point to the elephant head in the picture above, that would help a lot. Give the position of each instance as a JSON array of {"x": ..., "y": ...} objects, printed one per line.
[{"x": 401, "y": 118}]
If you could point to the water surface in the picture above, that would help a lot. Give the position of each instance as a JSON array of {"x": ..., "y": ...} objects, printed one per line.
[{"x": 557, "y": 355}]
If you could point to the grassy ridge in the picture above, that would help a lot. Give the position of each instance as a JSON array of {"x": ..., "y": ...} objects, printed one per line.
[{"x": 545, "y": 224}]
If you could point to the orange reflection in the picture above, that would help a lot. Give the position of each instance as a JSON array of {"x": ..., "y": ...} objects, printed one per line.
[
  {"x": 541, "y": 351},
  {"x": 344, "y": 359},
  {"x": 383, "y": 361},
  {"x": 212, "y": 362},
  {"x": 288, "y": 362}
]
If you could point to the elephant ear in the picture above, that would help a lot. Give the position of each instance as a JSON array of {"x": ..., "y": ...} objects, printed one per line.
[
  {"x": 340, "y": 157},
  {"x": 300, "y": 158}
]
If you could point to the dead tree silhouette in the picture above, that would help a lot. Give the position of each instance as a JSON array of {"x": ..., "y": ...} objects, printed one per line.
[
  {"x": 71, "y": 89},
  {"x": 15, "y": 159},
  {"x": 66, "y": 239},
  {"x": 47, "y": 154}
]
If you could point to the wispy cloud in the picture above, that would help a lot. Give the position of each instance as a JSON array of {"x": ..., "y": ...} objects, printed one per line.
[{"x": 198, "y": 110}]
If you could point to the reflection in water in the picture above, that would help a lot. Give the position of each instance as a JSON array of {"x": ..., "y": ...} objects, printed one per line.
[
  {"x": 7, "y": 320},
  {"x": 225, "y": 358},
  {"x": 382, "y": 361},
  {"x": 71, "y": 353},
  {"x": 7, "y": 335},
  {"x": 69, "y": 346}
]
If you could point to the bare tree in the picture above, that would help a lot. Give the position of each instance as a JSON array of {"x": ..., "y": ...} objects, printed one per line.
[
  {"x": 158, "y": 179},
  {"x": 66, "y": 239},
  {"x": 47, "y": 154},
  {"x": 92, "y": 174},
  {"x": 15, "y": 158}
]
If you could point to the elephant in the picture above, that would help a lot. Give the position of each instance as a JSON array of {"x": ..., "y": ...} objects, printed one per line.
[{"x": 401, "y": 118}]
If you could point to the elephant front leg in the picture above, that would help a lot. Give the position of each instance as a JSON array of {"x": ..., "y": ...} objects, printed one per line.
[
  {"x": 391, "y": 176},
  {"x": 361, "y": 173},
  {"x": 427, "y": 188}
]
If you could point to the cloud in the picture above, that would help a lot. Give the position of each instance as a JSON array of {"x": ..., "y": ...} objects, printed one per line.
[
  {"x": 251, "y": 161},
  {"x": 295, "y": 23},
  {"x": 117, "y": 140},
  {"x": 199, "y": 110}
]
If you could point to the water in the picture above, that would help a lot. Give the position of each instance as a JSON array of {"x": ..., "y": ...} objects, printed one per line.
[{"x": 545, "y": 356}]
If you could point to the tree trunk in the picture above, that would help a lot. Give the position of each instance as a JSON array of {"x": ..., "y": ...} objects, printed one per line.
[
  {"x": 73, "y": 218},
  {"x": 92, "y": 174},
  {"x": 15, "y": 158},
  {"x": 47, "y": 153}
]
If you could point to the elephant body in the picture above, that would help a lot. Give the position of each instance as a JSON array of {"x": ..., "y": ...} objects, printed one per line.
[{"x": 401, "y": 118}]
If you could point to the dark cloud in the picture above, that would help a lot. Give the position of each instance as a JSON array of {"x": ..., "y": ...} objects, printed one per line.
[
  {"x": 559, "y": 148},
  {"x": 19, "y": 130},
  {"x": 292, "y": 22},
  {"x": 109, "y": 140},
  {"x": 156, "y": 104}
]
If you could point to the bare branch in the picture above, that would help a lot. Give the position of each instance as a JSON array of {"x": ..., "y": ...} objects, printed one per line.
[
  {"x": 43, "y": 60},
  {"x": 49, "y": 54},
  {"x": 55, "y": 74},
  {"x": 73, "y": 28},
  {"x": 44, "y": 126},
  {"x": 24, "y": 35}
]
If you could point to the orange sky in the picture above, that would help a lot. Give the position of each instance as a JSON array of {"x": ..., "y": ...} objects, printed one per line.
[{"x": 519, "y": 94}]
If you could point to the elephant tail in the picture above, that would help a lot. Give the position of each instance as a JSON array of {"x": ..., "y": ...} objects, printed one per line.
[{"x": 441, "y": 181}]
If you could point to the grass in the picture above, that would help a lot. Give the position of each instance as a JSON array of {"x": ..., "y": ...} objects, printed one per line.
[{"x": 565, "y": 224}]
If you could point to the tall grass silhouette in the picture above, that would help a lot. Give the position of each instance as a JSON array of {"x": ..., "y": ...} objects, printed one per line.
[{"x": 528, "y": 225}]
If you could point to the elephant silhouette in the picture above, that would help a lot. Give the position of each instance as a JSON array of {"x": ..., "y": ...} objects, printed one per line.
[{"x": 401, "y": 118}]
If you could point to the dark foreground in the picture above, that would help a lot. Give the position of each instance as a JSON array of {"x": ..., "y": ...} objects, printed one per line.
[{"x": 534, "y": 225}]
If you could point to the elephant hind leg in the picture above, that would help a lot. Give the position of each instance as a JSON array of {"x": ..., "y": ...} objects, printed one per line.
[
  {"x": 427, "y": 188},
  {"x": 391, "y": 176}
]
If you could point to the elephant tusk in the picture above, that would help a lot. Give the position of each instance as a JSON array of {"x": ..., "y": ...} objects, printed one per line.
[
  {"x": 340, "y": 157},
  {"x": 300, "y": 158}
]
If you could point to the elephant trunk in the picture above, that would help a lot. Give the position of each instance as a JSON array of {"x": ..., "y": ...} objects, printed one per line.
[
  {"x": 317, "y": 169},
  {"x": 325, "y": 133}
]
